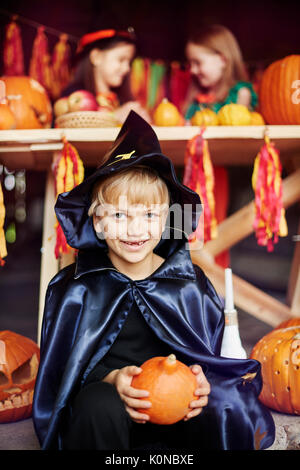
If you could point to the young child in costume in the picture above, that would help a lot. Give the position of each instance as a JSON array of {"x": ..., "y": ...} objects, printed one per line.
[
  {"x": 103, "y": 60},
  {"x": 219, "y": 77},
  {"x": 134, "y": 293}
]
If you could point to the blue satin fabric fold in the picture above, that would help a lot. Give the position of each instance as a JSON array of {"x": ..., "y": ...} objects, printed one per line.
[{"x": 86, "y": 306}]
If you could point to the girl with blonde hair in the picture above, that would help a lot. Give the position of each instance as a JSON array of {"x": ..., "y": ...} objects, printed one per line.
[
  {"x": 218, "y": 72},
  {"x": 218, "y": 77}
]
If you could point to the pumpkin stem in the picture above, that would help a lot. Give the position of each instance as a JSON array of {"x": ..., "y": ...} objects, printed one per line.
[
  {"x": 170, "y": 362},
  {"x": 171, "y": 358}
]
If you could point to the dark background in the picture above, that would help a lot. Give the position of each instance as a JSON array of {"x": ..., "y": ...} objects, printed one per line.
[{"x": 266, "y": 31}]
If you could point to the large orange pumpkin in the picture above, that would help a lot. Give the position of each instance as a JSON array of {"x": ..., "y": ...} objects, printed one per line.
[
  {"x": 7, "y": 118},
  {"x": 293, "y": 321},
  {"x": 171, "y": 386},
  {"x": 28, "y": 102},
  {"x": 166, "y": 114},
  {"x": 279, "y": 95},
  {"x": 19, "y": 361},
  {"x": 279, "y": 355}
]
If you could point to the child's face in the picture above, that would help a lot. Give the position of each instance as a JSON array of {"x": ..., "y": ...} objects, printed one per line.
[
  {"x": 131, "y": 231},
  {"x": 206, "y": 65},
  {"x": 112, "y": 65}
]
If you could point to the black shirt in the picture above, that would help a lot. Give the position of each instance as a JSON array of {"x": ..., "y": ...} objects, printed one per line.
[{"x": 135, "y": 343}]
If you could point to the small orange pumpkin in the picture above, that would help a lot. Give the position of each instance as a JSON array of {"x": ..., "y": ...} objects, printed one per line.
[
  {"x": 256, "y": 119},
  {"x": 166, "y": 114},
  {"x": 29, "y": 102},
  {"x": 19, "y": 361},
  {"x": 205, "y": 117},
  {"x": 171, "y": 386},
  {"x": 279, "y": 355},
  {"x": 234, "y": 114}
]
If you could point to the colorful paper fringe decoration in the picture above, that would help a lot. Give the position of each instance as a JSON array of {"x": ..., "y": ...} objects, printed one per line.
[
  {"x": 61, "y": 66},
  {"x": 269, "y": 222},
  {"x": 13, "y": 57},
  {"x": 40, "y": 63},
  {"x": 139, "y": 79},
  {"x": 3, "y": 251},
  {"x": 68, "y": 172},
  {"x": 156, "y": 89},
  {"x": 147, "y": 81},
  {"x": 199, "y": 176}
]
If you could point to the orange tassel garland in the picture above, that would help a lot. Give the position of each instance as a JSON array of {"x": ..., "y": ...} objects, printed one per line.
[
  {"x": 13, "y": 57},
  {"x": 68, "y": 172},
  {"x": 269, "y": 222},
  {"x": 40, "y": 64},
  {"x": 3, "y": 251},
  {"x": 199, "y": 176},
  {"x": 61, "y": 66}
]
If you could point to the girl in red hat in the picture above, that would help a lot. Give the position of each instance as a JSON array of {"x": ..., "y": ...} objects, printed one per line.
[{"x": 103, "y": 62}]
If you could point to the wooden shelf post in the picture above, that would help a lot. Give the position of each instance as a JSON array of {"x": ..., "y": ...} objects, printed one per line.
[{"x": 49, "y": 264}]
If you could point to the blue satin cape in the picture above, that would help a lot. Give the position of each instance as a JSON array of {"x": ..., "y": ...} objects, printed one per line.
[
  {"x": 86, "y": 306},
  {"x": 87, "y": 303}
]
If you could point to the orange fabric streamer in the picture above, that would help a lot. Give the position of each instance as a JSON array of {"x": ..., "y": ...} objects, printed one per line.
[
  {"x": 199, "y": 176},
  {"x": 3, "y": 251},
  {"x": 13, "y": 57},
  {"x": 68, "y": 172},
  {"x": 40, "y": 65},
  {"x": 269, "y": 222},
  {"x": 61, "y": 66}
]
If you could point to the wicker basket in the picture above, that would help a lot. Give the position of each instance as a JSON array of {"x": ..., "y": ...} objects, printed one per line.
[{"x": 86, "y": 119}]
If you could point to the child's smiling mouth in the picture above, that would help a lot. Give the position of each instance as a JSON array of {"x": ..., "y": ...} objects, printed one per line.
[
  {"x": 133, "y": 245},
  {"x": 135, "y": 242}
]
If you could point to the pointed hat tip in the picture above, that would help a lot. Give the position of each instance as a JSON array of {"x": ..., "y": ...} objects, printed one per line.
[{"x": 135, "y": 134}]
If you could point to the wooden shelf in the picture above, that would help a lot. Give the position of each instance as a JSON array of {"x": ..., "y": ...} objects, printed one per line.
[{"x": 230, "y": 145}]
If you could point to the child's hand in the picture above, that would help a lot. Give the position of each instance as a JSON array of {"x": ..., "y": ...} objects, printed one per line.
[
  {"x": 131, "y": 396},
  {"x": 202, "y": 391}
]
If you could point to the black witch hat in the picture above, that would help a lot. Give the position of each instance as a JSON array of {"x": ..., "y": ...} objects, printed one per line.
[{"x": 136, "y": 144}]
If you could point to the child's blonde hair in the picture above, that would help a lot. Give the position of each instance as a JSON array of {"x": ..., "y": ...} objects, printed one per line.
[
  {"x": 140, "y": 184},
  {"x": 221, "y": 41}
]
